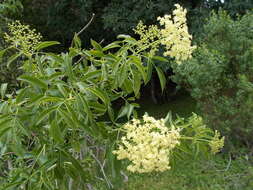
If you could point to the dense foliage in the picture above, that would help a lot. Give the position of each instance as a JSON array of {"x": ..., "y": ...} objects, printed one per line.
[
  {"x": 59, "y": 129},
  {"x": 60, "y": 19},
  {"x": 219, "y": 76},
  {"x": 68, "y": 117}
]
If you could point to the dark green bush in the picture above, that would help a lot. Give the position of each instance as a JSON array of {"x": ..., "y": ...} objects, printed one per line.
[{"x": 220, "y": 75}]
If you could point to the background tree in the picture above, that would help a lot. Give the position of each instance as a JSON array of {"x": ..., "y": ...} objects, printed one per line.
[{"x": 219, "y": 76}]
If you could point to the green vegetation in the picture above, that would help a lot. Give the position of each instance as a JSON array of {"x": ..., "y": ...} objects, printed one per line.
[
  {"x": 222, "y": 172},
  {"x": 155, "y": 108},
  {"x": 219, "y": 76},
  {"x": 217, "y": 174}
]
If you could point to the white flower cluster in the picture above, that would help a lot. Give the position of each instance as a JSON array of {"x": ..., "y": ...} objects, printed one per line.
[
  {"x": 175, "y": 36},
  {"x": 147, "y": 144}
]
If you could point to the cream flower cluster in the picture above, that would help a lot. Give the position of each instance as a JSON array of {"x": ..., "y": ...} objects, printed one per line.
[
  {"x": 22, "y": 37},
  {"x": 147, "y": 144},
  {"x": 176, "y": 38},
  {"x": 216, "y": 143}
]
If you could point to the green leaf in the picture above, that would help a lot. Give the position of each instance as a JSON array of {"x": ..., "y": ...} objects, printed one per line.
[
  {"x": 100, "y": 94},
  {"x": 56, "y": 132},
  {"x": 13, "y": 58},
  {"x": 66, "y": 116},
  {"x": 111, "y": 113},
  {"x": 123, "y": 111},
  {"x": 85, "y": 107},
  {"x": 161, "y": 77},
  {"x": 45, "y": 113},
  {"x": 126, "y": 110},
  {"x": 114, "y": 165},
  {"x": 128, "y": 86},
  {"x": 97, "y": 106},
  {"x": 96, "y": 53},
  {"x": 96, "y": 45},
  {"x": 34, "y": 99},
  {"x": 150, "y": 69},
  {"x": 3, "y": 89},
  {"x": 138, "y": 64},
  {"x": 91, "y": 75},
  {"x": 55, "y": 57},
  {"x": 51, "y": 99},
  {"x": 5, "y": 119},
  {"x": 34, "y": 81},
  {"x": 62, "y": 90},
  {"x": 77, "y": 42},
  {"x": 111, "y": 46},
  {"x": 104, "y": 69},
  {"x": 130, "y": 111},
  {"x": 122, "y": 74},
  {"x": 3, "y": 107},
  {"x": 4, "y": 128},
  {"x": 115, "y": 66},
  {"x": 12, "y": 185},
  {"x": 2, "y": 52},
  {"x": 124, "y": 36},
  {"x": 136, "y": 83},
  {"x": 56, "y": 75},
  {"x": 77, "y": 165},
  {"x": 68, "y": 66},
  {"x": 72, "y": 113},
  {"x": 82, "y": 86},
  {"x": 159, "y": 58},
  {"x": 46, "y": 44},
  {"x": 127, "y": 38}
]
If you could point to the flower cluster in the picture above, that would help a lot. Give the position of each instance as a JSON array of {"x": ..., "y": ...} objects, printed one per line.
[
  {"x": 174, "y": 35},
  {"x": 176, "y": 38},
  {"x": 147, "y": 144},
  {"x": 216, "y": 143},
  {"x": 149, "y": 37},
  {"x": 22, "y": 37}
]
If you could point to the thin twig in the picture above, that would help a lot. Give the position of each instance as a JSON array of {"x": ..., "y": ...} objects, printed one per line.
[
  {"x": 70, "y": 183},
  {"x": 101, "y": 41},
  {"x": 84, "y": 28},
  {"x": 102, "y": 169},
  {"x": 228, "y": 165},
  {"x": 89, "y": 186},
  {"x": 87, "y": 25}
]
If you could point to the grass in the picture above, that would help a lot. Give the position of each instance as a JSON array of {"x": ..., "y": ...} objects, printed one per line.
[{"x": 217, "y": 174}]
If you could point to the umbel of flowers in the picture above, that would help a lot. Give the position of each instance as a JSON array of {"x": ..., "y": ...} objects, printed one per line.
[{"x": 149, "y": 143}]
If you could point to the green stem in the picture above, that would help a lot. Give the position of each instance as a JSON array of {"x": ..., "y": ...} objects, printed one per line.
[{"x": 191, "y": 138}]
